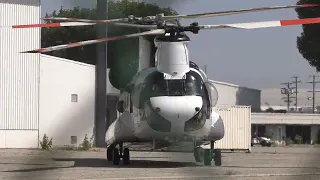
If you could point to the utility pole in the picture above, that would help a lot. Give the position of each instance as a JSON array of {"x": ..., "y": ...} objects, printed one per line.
[
  {"x": 101, "y": 76},
  {"x": 296, "y": 83},
  {"x": 287, "y": 91},
  {"x": 314, "y": 82}
]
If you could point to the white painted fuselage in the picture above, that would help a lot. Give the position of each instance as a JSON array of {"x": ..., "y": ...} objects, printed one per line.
[{"x": 172, "y": 101}]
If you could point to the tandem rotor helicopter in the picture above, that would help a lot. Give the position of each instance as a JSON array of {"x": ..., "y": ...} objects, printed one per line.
[{"x": 172, "y": 101}]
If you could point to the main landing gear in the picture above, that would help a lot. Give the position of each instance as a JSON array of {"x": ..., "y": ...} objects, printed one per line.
[
  {"x": 115, "y": 153},
  {"x": 207, "y": 155}
]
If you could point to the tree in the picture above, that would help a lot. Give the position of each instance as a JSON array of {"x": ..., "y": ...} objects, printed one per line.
[
  {"x": 123, "y": 55},
  {"x": 308, "y": 42}
]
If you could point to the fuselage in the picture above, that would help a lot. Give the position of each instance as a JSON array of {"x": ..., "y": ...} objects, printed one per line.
[
  {"x": 171, "y": 101},
  {"x": 171, "y": 110}
]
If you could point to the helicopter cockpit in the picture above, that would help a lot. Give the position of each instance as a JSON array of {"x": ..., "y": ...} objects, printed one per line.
[{"x": 155, "y": 85}]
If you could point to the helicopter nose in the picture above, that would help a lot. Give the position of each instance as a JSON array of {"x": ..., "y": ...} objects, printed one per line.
[{"x": 175, "y": 108}]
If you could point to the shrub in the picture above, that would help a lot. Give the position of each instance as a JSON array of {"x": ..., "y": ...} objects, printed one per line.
[
  {"x": 86, "y": 144},
  {"x": 298, "y": 139},
  {"x": 45, "y": 143}
]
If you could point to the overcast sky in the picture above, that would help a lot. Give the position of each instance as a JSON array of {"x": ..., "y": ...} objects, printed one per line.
[{"x": 261, "y": 58}]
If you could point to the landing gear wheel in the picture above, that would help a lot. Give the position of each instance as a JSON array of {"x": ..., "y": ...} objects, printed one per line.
[
  {"x": 207, "y": 157},
  {"x": 110, "y": 153},
  {"x": 116, "y": 156},
  {"x": 197, "y": 154},
  {"x": 126, "y": 156},
  {"x": 217, "y": 157}
]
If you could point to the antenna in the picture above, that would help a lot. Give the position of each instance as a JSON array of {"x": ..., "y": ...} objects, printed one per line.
[
  {"x": 205, "y": 68},
  {"x": 288, "y": 92},
  {"x": 313, "y": 91},
  {"x": 296, "y": 91}
]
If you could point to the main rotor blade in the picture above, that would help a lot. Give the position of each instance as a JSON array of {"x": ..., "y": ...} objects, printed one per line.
[
  {"x": 62, "y": 24},
  {"x": 232, "y": 12},
  {"x": 200, "y": 15},
  {"x": 263, "y": 24},
  {"x": 83, "y": 43},
  {"x": 124, "y": 21},
  {"x": 110, "y": 21},
  {"x": 66, "y": 24}
]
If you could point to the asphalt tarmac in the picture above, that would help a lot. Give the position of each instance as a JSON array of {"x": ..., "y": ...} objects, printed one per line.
[{"x": 275, "y": 163}]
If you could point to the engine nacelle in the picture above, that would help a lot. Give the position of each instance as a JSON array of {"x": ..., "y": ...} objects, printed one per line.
[
  {"x": 213, "y": 93},
  {"x": 172, "y": 56}
]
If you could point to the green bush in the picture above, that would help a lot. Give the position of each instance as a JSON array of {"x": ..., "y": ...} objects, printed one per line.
[
  {"x": 86, "y": 144},
  {"x": 46, "y": 143},
  {"x": 298, "y": 139}
]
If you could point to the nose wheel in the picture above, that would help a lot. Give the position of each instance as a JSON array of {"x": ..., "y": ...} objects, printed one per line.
[
  {"x": 115, "y": 154},
  {"x": 206, "y": 156}
]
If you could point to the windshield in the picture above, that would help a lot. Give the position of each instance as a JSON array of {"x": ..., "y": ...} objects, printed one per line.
[{"x": 192, "y": 85}]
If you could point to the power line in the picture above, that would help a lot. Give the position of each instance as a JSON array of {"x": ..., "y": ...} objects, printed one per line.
[
  {"x": 296, "y": 83},
  {"x": 287, "y": 91},
  {"x": 314, "y": 82}
]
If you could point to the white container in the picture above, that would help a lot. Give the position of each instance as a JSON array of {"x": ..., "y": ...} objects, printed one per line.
[{"x": 237, "y": 123}]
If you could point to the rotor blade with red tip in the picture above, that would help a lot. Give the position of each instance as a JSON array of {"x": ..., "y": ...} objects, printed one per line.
[
  {"x": 199, "y": 15},
  {"x": 124, "y": 21},
  {"x": 83, "y": 43},
  {"x": 263, "y": 24}
]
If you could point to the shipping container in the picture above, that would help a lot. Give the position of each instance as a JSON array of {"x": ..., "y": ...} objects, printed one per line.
[
  {"x": 237, "y": 126},
  {"x": 237, "y": 123}
]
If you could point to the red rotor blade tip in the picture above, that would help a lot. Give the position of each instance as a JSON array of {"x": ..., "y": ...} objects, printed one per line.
[{"x": 310, "y": 5}]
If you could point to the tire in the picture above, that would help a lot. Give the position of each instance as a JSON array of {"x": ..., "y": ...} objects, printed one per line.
[
  {"x": 116, "y": 156},
  {"x": 197, "y": 154},
  {"x": 207, "y": 157},
  {"x": 217, "y": 157},
  {"x": 109, "y": 153},
  {"x": 126, "y": 156},
  {"x": 269, "y": 144}
]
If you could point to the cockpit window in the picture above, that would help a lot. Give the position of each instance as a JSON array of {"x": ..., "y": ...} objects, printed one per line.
[
  {"x": 192, "y": 85},
  {"x": 176, "y": 87}
]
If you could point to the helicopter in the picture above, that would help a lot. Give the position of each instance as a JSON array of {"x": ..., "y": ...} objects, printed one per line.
[{"x": 173, "y": 100}]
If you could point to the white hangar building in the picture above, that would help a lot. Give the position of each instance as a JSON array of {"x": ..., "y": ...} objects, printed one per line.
[{"x": 41, "y": 94}]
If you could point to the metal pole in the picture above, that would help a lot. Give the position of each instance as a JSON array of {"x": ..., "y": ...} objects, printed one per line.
[
  {"x": 296, "y": 83},
  {"x": 313, "y": 91},
  {"x": 288, "y": 94},
  {"x": 101, "y": 76}
]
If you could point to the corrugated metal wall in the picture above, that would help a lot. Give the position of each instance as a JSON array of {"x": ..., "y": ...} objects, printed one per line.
[
  {"x": 231, "y": 94},
  {"x": 19, "y": 73},
  {"x": 237, "y": 122},
  {"x": 227, "y": 93}
]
